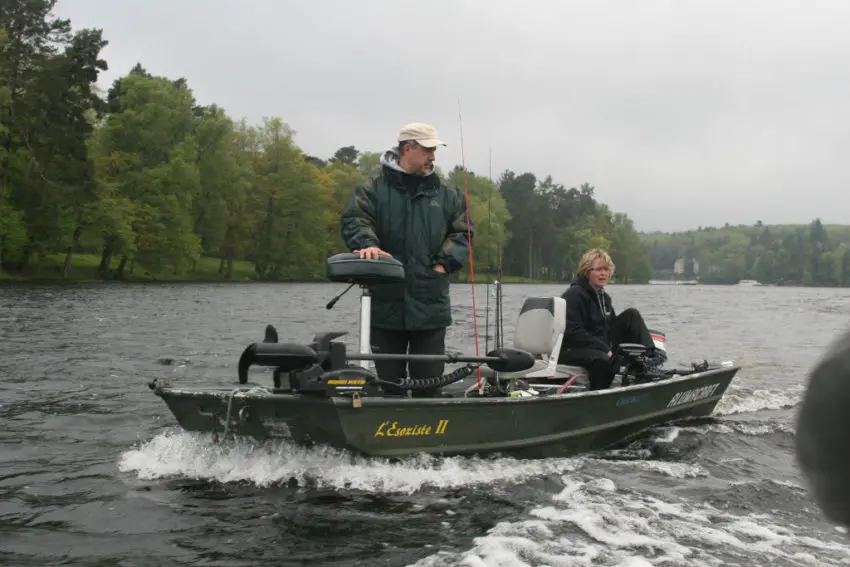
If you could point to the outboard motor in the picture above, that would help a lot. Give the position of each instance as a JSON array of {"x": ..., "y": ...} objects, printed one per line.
[
  {"x": 642, "y": 364},
  {"x": 659, "y": 338}
]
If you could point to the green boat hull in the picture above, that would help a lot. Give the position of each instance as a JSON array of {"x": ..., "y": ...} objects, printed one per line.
[{"x": 539, "y": 426}]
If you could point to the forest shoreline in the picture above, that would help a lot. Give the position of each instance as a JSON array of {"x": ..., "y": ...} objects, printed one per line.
[{"x": 86, "y": 270}]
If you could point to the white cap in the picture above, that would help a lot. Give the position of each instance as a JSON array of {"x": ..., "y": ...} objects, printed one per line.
[{"x": 423, "y": 134}]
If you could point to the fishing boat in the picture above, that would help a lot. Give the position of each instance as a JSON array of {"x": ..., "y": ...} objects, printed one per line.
[{"x": 513, "y": 400}]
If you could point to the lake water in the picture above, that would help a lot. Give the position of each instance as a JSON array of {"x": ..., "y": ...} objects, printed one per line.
[{"x": 95, "y": 472}]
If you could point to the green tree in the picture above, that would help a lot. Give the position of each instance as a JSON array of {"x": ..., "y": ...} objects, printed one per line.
[
  {"x": 48, "y": 99},
  {"x": 292, "y": 202},
  {"x": 346, "y": 155},
  {"x": 148, "y": 177},
  {"x": 13, "y": 233}
]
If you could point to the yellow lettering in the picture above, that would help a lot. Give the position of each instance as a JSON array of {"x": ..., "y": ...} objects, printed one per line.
[
  {"x": 391, "y": 432},
  {"x": 441, "y": 426},
  {"x": 380, "y": 431},
  {"x": 393, "y": 429}
]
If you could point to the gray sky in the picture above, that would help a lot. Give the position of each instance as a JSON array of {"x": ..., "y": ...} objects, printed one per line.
[{"x": 680, "y": 113}]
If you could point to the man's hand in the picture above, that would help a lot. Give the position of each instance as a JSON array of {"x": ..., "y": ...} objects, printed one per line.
[
  {"x": 610, "y": 354},
  {"x": 439, "y": 268},
  {"x": 371, "y": 253}
]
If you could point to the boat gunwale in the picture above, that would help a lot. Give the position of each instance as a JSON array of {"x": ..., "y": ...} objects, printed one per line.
[{"x": 244, "y": 391}]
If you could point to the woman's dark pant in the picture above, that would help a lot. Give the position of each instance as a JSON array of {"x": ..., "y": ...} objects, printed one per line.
[{"x": 627, "y": 327}]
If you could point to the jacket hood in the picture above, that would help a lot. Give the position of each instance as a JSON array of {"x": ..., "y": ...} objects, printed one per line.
[
  {"x": 390, "y": 159},
  {"x": 584, "y": 282}
]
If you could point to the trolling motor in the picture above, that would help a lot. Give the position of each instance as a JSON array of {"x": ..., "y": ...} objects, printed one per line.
[
  {"x": 318, "y": 367},
  {"x": 324, "y": 367}
]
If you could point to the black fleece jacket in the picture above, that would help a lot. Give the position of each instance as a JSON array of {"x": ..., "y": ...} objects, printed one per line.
[{"x": 589, "y": 316}]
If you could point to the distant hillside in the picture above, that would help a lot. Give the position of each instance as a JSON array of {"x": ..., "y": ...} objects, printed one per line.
[{"x": 813, "y": 255}]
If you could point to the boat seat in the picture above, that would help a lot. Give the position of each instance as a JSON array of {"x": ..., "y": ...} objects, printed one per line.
[{"x": 540, "y": 331}]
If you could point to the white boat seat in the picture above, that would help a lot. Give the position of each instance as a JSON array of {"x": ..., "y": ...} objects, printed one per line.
[
  {"x": 541, "y": 371},
  {"x": 540, "y": 331}
]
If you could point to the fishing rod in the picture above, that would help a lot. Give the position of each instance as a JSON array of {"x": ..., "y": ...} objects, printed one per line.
[
  {"x": 489, "y": 246},
  {"x": 497, "y": 289},
  {"x": 469, "y": 239}
]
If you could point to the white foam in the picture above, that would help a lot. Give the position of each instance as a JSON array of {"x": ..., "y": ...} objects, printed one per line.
[
  {"x": 792, "y": 486},
  {"x": 591, "y": 522},
  {"x": 666, "y": 468},
  {"x": 195, "y": 456},
  {"x": 754, "y": 429},
  {"x": 741, "y": 400},
  {"x": 669, "y": 435}
]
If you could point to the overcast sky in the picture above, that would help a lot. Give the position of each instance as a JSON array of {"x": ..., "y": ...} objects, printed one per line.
[{"x": 681, "y": 113}]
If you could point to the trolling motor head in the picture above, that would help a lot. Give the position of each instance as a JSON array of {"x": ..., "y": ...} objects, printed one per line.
[{"x": 350, "y": 268}]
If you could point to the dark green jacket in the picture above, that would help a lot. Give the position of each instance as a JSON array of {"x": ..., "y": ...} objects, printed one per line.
[{"x": 421, "y": 222}]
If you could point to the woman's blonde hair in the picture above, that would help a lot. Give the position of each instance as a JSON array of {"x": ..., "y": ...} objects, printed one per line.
[{"x": 586, "y": 262}]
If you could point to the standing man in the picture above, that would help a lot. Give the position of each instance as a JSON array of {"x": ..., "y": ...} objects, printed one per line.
[{"x": 408, "y": 213}]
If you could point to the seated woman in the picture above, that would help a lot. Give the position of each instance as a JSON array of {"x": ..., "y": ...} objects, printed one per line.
[{"x": 594, "y": 331}]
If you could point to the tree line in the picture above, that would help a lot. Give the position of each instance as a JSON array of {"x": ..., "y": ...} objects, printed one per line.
[
  {"x": 144, "y": 179},
  {"x": 809, "y": 255}
]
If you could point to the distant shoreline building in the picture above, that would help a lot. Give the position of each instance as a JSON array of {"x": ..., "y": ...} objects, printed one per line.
[
  {"x": 685, "y": 271},
  {"x": 680, "y": 265}
]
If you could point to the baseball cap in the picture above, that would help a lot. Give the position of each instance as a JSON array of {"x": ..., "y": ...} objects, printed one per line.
[{"x": 423, "y": 134}]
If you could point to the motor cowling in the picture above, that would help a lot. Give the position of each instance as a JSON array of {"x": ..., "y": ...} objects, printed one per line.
[{"x": 659, "y": 339}]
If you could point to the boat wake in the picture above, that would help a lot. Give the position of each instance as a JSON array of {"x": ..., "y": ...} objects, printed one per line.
[
  {"x": 183, "y": 454},
  {"x": 180, "y": 454},
  {"x": 592, "y": 521},
  {"x": 743, "y": 400}
]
